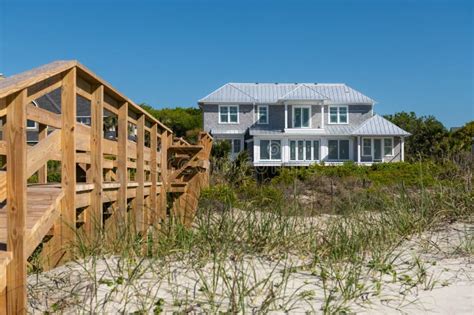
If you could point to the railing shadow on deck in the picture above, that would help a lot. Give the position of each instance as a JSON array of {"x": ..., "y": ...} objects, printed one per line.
[{"x": 120, "y": 163}]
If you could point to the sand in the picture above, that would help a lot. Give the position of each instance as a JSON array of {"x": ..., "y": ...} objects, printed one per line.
[{"x": 434, "y": 274}]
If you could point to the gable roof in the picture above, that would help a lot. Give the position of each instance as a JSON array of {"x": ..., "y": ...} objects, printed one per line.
[
  {"x": 272, "y": 93},
  {"x": 303, "y": 92},
  {"x": 377, "y": 125}
]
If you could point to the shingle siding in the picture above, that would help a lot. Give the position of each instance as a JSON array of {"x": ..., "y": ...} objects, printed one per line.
[{"x": 211, "y": 119}]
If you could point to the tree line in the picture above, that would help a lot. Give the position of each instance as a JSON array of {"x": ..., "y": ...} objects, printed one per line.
[{"x": 429, "y": 139}]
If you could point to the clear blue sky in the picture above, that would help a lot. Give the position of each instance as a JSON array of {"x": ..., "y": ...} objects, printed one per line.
[{"x": 408, "y": 55}]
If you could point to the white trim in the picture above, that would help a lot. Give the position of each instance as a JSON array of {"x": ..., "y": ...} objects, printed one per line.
[
  {"x": 286, "y": 116},
  {"x": 293, "y": 107},
  {"x": 228, "y": 115},
  {"x": 258, "y": 142},
  {"x": 402, "y": 149},
  {"x": 338, "y": 115},
  {"x": 322, "y": 116},
  {"x": 358, "y": 149},
  {"x": 35, "y": 127},
  {"x": 258, "y": 115}
]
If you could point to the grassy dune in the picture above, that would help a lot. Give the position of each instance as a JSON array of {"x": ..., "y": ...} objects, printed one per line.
[{"x": 317, "y": 240}]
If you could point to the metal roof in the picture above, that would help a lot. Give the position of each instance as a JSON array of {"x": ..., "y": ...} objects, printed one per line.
[
  {"x": 274, "y": 93},
  {"x": 329, "y": 130},
  {"x": 377, "y": 125}
]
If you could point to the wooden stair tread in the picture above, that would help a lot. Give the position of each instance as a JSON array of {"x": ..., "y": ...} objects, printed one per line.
[{"x": 41, "y": 202}]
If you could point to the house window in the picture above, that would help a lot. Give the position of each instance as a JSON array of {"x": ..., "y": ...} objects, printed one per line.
[
  {"x": 85, "y": 120},
  {"x": 316, "y": 150},
  {"x": 338, "y": 149},
  {"x": 228, "y": 114},
  {"x": 293, "y": 150},
  {"x": 262, "y": 114},
  {"x": 270, "y": 150},
  {"x": 367, "y": 147},
  {"x": 31, "y": 125},
  {"x": 338, "y": 114},
  {"x": 301, "y": 117},
  {"x": 236, "y": 146},
  {"x": 301, "y": 150},
  {"x": 388, "y": 146}
]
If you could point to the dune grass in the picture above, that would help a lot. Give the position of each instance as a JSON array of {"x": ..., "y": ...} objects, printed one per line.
[{"x": 257, "y": 248}]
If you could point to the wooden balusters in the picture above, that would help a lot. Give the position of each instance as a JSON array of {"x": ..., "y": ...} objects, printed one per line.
[
  {"x": 153, "y": 173},
  {"x": 68, "y": 161},
  {"x": 16, "y": 201},
  {"x": 122, "y": 159},
  {"x": 43, "y": 171},
  {"x": 140, "y": 208},
  {"x": 94, "y": 219}
]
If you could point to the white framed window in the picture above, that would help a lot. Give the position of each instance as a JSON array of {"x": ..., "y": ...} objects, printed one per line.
[
  {"x": 372, "y": 147},
  {"x": 301, "y": 116},
  {"x": 31, "y": 125},
  {"x": 338, "y": 114},
  {"x": 338, "y": 150},
  {"x": 304, "y": 150},
  {"x": 316, "y": 150},
  {"x": 366, "y": 147},
  {"x": 270, "y": 150},
  {"x": 228, "y": 114},
  {"x": 85, "y": 120},
  {"x": 262, "y": 114},
  {"x": 388, "y": 146}
]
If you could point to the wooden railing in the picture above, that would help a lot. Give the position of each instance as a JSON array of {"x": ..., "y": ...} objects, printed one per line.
[{"x": 126, "y": 179}]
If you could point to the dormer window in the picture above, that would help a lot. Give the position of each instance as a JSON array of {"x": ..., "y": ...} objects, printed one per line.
[
  {"x": 228, "y": 114},
  {"x": 262, "y": 114},
  {"x": 338, "y": 114}
]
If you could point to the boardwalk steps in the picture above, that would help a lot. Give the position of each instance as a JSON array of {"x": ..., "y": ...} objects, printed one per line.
[{"x": 142, "y": 171}]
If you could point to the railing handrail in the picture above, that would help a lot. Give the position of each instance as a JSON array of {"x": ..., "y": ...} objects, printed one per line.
[{"x": 15, "y": 83}]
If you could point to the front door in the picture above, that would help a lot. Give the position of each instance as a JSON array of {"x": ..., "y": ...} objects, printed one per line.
[{"x": 377, "y": 150}]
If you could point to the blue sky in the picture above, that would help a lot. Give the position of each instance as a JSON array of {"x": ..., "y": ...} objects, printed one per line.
[{"x": 408, "y": 55}]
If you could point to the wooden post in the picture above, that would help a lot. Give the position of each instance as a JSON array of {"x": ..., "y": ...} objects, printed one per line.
[
  {"x": 94, "y": 219},
  {"x": 153, "y": 172},
  {"x": 43, "y": 171},
  {"x": 140, "y": 209},
  {"x": 122, "y": 170},
  {"x": 166, "y": 140},
  {"x": 16, "y": 202},
  {"x": 68, "y": 161}
]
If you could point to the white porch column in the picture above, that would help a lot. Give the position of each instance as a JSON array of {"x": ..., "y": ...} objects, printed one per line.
[
  {"x": 322, "y": 115},
  {"x": 358, "y": 149},
  {"x": 286, "y": 116},
  {"x": 285, "y": 156},
  {"x": 402, "y": 149}
]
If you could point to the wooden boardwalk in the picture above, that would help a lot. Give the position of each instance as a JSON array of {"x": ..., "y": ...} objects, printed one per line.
[{"x": 140, "y": 176}]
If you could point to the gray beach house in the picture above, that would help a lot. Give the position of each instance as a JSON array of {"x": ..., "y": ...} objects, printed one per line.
[{"x": 298, "y": 124}]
